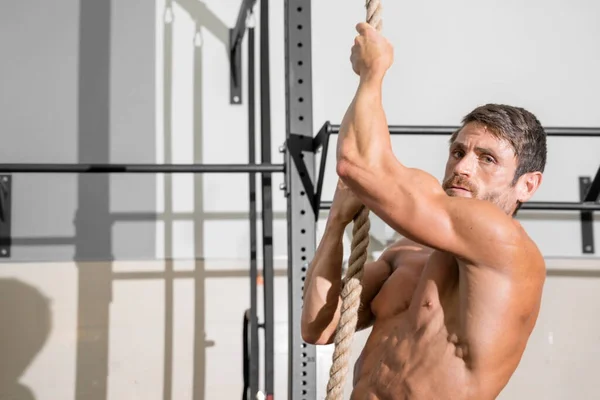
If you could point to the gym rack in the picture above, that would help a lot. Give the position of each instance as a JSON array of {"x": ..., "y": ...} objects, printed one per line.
[{"x": 302, "y": 188}]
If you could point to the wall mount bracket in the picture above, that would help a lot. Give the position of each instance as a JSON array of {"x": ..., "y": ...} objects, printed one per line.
[
  {"x": 589, "y": 191},
  {"x": 236, "y": 35},
  {"x": 5, "y": 215}
]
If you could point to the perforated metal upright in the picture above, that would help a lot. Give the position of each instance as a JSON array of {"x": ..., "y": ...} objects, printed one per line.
[{"x": 301, "y": 215}]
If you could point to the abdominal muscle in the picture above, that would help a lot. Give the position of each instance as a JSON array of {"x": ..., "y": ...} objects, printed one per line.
[{"x": 404, "y": 359}]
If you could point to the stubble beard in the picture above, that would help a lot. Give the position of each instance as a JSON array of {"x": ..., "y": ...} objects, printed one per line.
[{"x": 494, "y": 197}]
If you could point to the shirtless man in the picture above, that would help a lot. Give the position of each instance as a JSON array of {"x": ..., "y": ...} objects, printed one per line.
[{"x": 453, "y": 304}]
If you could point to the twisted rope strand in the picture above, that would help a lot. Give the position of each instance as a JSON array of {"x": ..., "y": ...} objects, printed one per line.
[
  {"x": 374, "y": 11},
  {"x": 352, "y": 287},
  {"x": 350, "y": 296}
]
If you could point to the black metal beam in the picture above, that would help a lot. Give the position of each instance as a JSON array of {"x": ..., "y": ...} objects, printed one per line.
[
  {"x": 448, "y": 130},
  {"x": 322, "y": 139},
  {"x": 253, "y": 357},
  {"x": 267, "y": 202},
  {"x": 246, "y": 357},
  {"x": 239, "y": 30},
  {"x": 586, "y": 217},
  {"x": 322, "y": 136},
  {"x": 560, "y": 206},
  {"x": 183, "y": 274},
  {"x": 140, "y": 168},
  {"x": 298, "y": 146},
  {"x": 236, "y": 35},
  {"x": 593, "y": 193},
  {"x": 533, "y": 205},
  {"x": 571, "y": 131},
  {"x": 302, "y": 367},
  {"x": 327, "y": 129},
  {"x": 407, "y": 130},
  {"x": 5, "y": 215}
]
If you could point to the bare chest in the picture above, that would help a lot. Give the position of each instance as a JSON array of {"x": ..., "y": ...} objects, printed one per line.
[
  {"x": 419, "y": 283},
  {"x": 416, "y": 322}
]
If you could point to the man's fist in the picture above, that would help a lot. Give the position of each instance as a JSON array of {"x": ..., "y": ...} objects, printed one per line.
[
  {"x": 345, "y": 205},
  {"x": 372, "y": 54}
]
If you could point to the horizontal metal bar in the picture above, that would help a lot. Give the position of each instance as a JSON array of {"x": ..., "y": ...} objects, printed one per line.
[
  {"x": 200, "y": 215},
  {"x": 533, "y": 205},
  {"x": 577, "y": 132},
  {"x": 409, "y": 130},
  {"x": 560, "y": 206},
  {"x": 140, "y": 168},
  {"x": 44, "y": 241},
  {"x": 448, "y": 130},
  {"x": 573, "y": 273},
  {"x": 205, "y": 273}
]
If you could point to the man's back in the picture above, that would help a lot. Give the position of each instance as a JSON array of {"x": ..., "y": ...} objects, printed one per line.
[{"x": 444, "y": 329}]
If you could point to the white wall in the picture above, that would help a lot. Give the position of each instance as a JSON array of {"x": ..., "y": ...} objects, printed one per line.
[{"x": 450, "y": 57}]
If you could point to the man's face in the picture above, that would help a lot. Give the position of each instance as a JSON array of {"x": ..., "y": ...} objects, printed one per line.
[{"x": 481, "y": 166}]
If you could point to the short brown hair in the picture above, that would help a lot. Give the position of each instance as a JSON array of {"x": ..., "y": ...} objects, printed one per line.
[{"x": 520, "y": 128}]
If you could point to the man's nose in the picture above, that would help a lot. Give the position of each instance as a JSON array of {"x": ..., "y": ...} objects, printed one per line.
[{"x": 465, "y": 166}]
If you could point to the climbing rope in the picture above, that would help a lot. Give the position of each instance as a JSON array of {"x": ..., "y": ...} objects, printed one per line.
[
  {"x": 350, "y": 295},
  {"x": 352, "y": 287},
  {"x": 374, "y": 10}
]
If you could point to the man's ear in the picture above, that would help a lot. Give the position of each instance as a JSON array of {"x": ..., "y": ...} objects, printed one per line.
[{"x": 528, "y": 184}]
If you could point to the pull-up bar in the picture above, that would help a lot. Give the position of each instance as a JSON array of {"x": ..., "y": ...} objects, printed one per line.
[
  {"x": 447, "y": 130},
  {"x": 140, "y": 168},
  {"x": 534, "y": 205}
]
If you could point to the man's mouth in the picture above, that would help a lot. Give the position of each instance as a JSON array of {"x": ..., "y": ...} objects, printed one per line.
[{"x": 459, "y": 191}]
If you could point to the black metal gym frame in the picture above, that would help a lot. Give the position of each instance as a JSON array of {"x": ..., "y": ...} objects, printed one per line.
[
  {"x": 589, "y": 187},
  {"x": 251, "y": 375},
  {"x": 267, "y": 201},
  {"x": 305, "y": 201},
  {"x": 303, "y": 198},
  {"x": 251, "y": 346},
  {"x": 302, "y": 216},
  {"x": 236, "y": 35}
]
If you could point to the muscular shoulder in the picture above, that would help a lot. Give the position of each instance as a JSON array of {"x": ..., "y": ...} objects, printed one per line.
[
  {"x": 489, "y": 236},
  {"x": 404, "y": 251},
  {"x": 528, "y": 254}
]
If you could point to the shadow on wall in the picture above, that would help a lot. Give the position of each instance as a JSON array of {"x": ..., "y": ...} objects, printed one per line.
[
  {"x": 204, "y": 19},
  {"x": 207, "y": 19},
  {"x": 25, "y": 324},
  {"x": 94, "y": 239}
]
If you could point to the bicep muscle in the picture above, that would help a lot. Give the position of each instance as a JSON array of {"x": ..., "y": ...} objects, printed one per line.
[{"x": 412, "y": 202}]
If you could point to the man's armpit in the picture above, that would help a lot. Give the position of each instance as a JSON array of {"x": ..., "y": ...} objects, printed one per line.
[{"x": 375, "y": 273}]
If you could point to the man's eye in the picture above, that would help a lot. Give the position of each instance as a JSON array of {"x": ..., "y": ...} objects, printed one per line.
[
  {"x": 488, "y": 159},
  {"x": 457, "y": 153}
]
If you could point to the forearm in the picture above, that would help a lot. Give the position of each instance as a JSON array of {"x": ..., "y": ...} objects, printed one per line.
[
  {"x": 364, "y": 136},
  {"x": 322, "y": 286},
  {"x": 365, "y": 158}
]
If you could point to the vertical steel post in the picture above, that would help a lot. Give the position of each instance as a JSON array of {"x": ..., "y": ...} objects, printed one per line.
[
  {"x": 301, "y": 215},
  {"x": 267, "y": 201},
  {"x": 586, "y": 217},
  {"x": 254, "y": 359},
  {"x": 5, "y": 215}
]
